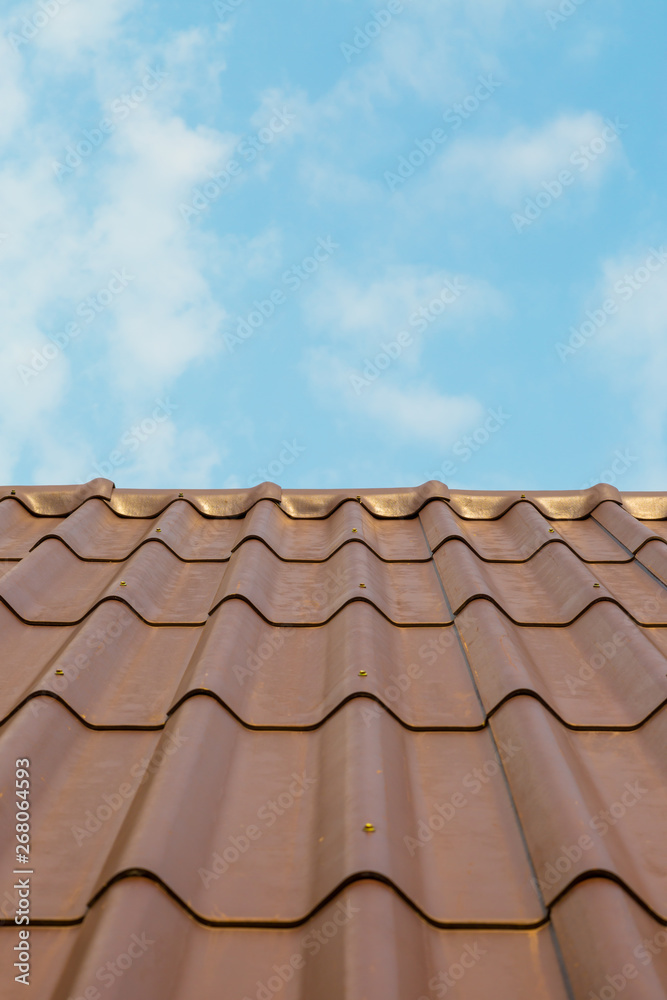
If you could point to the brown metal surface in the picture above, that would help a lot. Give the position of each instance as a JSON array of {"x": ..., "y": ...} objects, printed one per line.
[
  {"x": 318, "y": 539},
  {"x": 658, "y": 529},
  {"x": 112, "y": 669},
  {"x": 629, "y": 531},
  {"x": 646, "y": 506},
  {"x": 341, "y": 951},
  {"x": 590, "y": 801},
  {"x": 567, "y": 505},
  {"x": 611, "y": 946},
  {"x": 213, "y": 503},
  {"x": 381, "y": 503},
  {"x": 603, "y": 670},
  {"x": 519, "y": 533},
  {"x": 20, "y": 530},
  {"x": 298, "y": 504},
  {"x": 389, "y": 766},
  {"x": 261, "y": 826},
  {"x": 311, "y": 593},
  {"x": 653, "y": 556},
  {"x": 95, "y": 532},
  {"x": 274, "y": 676},
  {"x": 52, "y": 585},
  {"x": 552, "y": 588},
  {"x": 54, "y": 501},
  {"x": 119, "y": 671}
]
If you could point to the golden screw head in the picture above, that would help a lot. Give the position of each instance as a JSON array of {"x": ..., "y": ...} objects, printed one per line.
[
  {"x": 123, "y": 584},
  {"x": 362, "y": 673},
  {"x": 363, "y": 586},
  {"x": 369, "y": 828},
  {"x": 60, "y": 672}
]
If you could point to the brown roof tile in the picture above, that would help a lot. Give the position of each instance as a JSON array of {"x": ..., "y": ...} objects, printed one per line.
[
  {"x": 286, "y": 784},
  {"x": 340, "y": 951},
  {"x": 519, "y": 533},
  {"x": 305, "y": 795},
  {"x": 310, "y": 593},
  {"x": 52, "y": 586},
  {"x": 601, "y": 671},
  {"x": 55, "y": 501},
  {"x": 20, "y": 530},
  {"x": 552, "y": 588},
  {"x": 589, "y": 801}
]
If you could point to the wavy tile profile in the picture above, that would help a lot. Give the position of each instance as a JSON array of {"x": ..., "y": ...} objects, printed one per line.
[
  {"x": 603, "y": 671},
  {"x": 312, "y": 593},
  {"x": 553, "y": 588},
  {"x": 519, "y": 532},
  {"x": 403, "y": 743},
  {"x": 330, "y": 955},
  {"x": 590, "y": 801},
  {"x": 53, "y": 586},
  {"x": 298, "y": 794}
]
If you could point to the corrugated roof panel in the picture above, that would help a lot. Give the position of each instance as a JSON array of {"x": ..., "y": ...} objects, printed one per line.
[
  {"x": 601, "y": 671},
  {"x": 340, "y": 951},
  {"x": 310, "y": 593},
  {"x": 590, "y": 801},
  {"x": 53, "y": 586},
  {"x": 552, "y": 588},
  {"x": 377, "y": 743},
  {"x": 519, "y": 533}
]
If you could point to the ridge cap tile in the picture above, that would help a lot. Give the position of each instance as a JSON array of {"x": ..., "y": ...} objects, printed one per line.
[{"x": 51, "y": 501}]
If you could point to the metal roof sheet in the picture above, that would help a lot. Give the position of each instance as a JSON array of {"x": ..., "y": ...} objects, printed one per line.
[{"x": 377, "y": 743}]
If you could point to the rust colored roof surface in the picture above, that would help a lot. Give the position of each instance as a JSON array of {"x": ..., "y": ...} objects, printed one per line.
[{"x": 386, "y": 745}]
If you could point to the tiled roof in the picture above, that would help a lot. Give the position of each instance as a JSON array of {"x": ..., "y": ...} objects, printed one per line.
[{"x": 393, "y": 745}]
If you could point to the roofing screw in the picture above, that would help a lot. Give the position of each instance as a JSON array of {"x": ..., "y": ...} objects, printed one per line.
[
  {"x": 123, "y": 584},
  {"x": 362, "y": 673},
  {"x": 180, "y": 494},
  {"x": 354, "y": 530},
  {"x": 369, "y": 828},
  {"x": 60, "y": 672},
  {"x": 158, "y": 529},
  {"x": 363, "y": 586},
  {"x": 551, "y": 530},
  {"x": 596, "y": 584},
  {"x": 13, "y": 493},
  {"x": 523, "y": 496},
  {"x": 358, "y": 498}
]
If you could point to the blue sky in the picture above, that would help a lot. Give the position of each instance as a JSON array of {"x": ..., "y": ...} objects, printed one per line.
[{"x": 333, "y": 243}]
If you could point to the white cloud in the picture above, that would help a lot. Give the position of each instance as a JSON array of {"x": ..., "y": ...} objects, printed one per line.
[
  {"x": 68, "y": 28},
  {"x": 434, "y": 49},
  {"x": 326, "y": 183},
  {"x": 13, "y": 100},
  {"x": 410, "y": 412},
  {"x": 421, "y": 414},
  {"x": 417, "y": 300},
  {"x": 117, "y": 211},
  {"x": 517, "y": 164}
]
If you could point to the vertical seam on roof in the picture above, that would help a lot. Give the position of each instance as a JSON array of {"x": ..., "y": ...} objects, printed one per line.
[
  {"x": 635, "y": 560},
  {"x": 464, "y": 652},
  {"x": 618, "y": 540}
]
